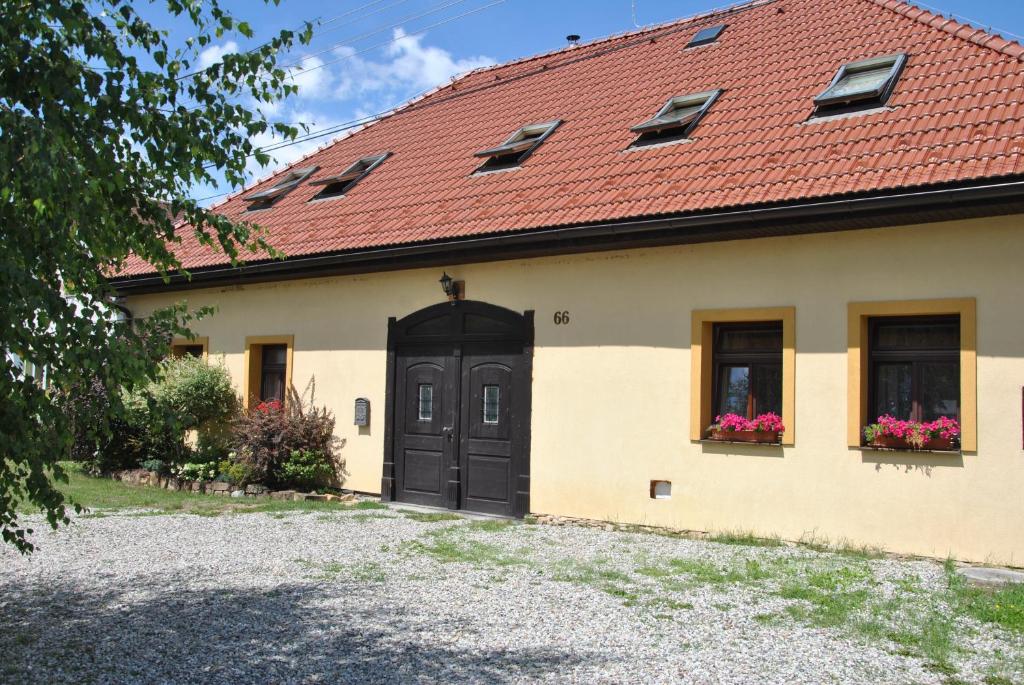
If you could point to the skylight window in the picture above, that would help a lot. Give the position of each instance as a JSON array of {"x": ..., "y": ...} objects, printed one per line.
[
  {"x": 676, "y": 119},
  {"x": 706, "y": 35},
  {"x": 339, "y": 184},
  {"x": 861, "y": 85},
  {"x": 266, "y": 198},
  {"x": 517, "y": 147}
]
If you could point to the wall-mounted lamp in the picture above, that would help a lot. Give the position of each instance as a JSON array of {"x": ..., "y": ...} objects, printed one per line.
[{"x": 451, "y": 288}]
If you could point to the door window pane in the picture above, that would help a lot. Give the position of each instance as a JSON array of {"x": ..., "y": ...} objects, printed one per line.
[
  {"x": 893, "y": 388},
  {"x": 491, "y": 394},
  {"x": 426, "y": 402},
  {"x": 272, "y": 386},
  {"x": 940, "y": 390},
  {"x": 768, "y": 389},
  {"x": 734, "y": 389}
]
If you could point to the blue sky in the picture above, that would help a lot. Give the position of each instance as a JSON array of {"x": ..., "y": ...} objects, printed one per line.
[{"x": 371, "y": 55}]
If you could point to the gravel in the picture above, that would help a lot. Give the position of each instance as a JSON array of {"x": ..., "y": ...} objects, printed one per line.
[{"x": 375, "y": 597}]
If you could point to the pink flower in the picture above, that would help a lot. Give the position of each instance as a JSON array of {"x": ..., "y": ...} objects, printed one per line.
[{"x": 767, "y": 423}]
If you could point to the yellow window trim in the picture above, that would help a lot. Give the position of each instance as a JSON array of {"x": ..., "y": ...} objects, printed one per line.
[
  {"x": 858, "y": 314},
  {"x": 254, "y": 359},
  {"x": 179, "y": 343},
  {"x": 702, "y": 325}
]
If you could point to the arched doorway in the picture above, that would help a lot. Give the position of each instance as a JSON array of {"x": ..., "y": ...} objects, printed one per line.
[{"x": 457, "y": 424}]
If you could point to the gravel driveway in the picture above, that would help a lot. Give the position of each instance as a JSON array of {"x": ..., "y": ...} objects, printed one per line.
[{"x": 377, "y": 596}]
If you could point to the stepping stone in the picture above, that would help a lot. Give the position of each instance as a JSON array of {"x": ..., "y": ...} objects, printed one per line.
[{"x": 990, "y": 577}]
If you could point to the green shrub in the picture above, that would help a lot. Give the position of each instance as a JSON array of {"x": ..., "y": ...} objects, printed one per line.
[
  {"x": 198, "y": 396},
  {"x": 306, "y": 470},
  {"x": 268, "y": 433},
  {"x": 157, "y": 465},
  {"x": 154, "y": 419},
  {"x": 234, "y": 472},
  {"x": 193, "y": 471}
]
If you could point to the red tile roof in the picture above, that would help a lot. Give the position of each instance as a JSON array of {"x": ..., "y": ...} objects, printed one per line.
[{"x": 956, "y": 115}]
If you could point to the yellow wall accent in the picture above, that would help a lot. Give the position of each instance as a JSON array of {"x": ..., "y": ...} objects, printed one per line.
[
  {"x": 254, "y": 360},
  {"x": 857, "y": 356},
  {"x": 178, "y": 345},
  {"x": 702, "y": 322},
  {"x": 612, "y": 392}
]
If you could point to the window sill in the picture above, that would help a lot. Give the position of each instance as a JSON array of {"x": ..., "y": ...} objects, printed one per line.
[
  {"x": 710, "y": 441},
  {"x": 902, "y": 450}
]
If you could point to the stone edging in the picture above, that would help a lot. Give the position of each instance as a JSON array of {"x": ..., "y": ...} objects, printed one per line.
[{"x": 155, "y": 480}]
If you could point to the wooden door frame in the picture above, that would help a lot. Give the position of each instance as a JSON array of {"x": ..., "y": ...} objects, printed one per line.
[{"x": 508, "y": 327}]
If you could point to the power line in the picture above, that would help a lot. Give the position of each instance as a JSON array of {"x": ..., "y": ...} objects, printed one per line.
[
  {"x": 418, "y": 32},
  {"x": 354, "y": 39}
]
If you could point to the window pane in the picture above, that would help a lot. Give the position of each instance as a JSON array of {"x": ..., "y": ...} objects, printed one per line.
[
  {"x": 275, "y": 355},
  {"x": 272, "y": 386},
  {"x": 759, "y": 339},
  {"x": 733, "y": 390},
  {"x": 927, "y": 334},
  {"x": 940, "y": 390},
  {"x": 426, "y": 402},
  {"x": 892, "y": 383},
  {"x": 491, "y": 394},
  {"x": 768, "y": 389},
  {"x": 860, "y": 82}
]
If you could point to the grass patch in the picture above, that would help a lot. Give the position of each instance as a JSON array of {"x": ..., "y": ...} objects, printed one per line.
[
  {"x": 1003, "y": 606},
  {"x": 103, "y": 496},
  {"x": 830, "y": 597},
  {"x": 367, "y": 504},
  {"x": 745, "y": 538},
  {"x": 450, "y": 545},
  {"x": 704, "y": 572},
  {"x": 365, "y": 572},
  {"x": 490, "y": 525},
  {"x": 811, "y": 540},
  {"x": 429, "y": 517},
  {"x": 363, "y": 517}
]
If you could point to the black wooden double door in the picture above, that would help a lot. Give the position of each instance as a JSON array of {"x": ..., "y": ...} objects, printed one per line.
[{"x": 460, "y": 423}]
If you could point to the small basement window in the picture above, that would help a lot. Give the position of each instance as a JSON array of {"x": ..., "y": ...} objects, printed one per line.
[
  {"x": 861, "y": 85},
  {"x": 517, "y": 147},
  {"x": 338, "y": 185},
  {"x": 265, "y": 198},
  {"x": 706, "y": 35},
  {"x": 676, "y": 119}
]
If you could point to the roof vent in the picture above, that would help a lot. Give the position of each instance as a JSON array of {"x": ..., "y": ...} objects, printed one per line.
[
  {"x": 706, "y": 35},
  {"x": 339, "y": 184},
  {"x": 265, "y": 198},
  {"x": 573, "y": 39},
  {"x": 517, "y": 147},
  {"x": 675, "y": 119}
]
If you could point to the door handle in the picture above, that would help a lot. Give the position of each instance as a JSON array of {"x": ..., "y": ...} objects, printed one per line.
[{"x": 447, "y": 430}]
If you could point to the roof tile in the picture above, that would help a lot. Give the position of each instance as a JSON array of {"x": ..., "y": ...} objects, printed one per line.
[{"x": 956, "y": 115}]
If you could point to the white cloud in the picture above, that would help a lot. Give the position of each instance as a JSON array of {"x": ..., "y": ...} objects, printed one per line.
[
  {"x": 342, "y": 86},
  {"x": 215, "y": 53},
  {"x": 411, "y": 68}
]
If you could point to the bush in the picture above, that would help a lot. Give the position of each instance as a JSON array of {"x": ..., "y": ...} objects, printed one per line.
[
  {"x": 306, "y": 470},
  {"x": 198, "y": 396},
  {"x": 188, "y": 395},
  {"x": 268, "y": 433},
  {"x": 234, "y": 472},
  {"x": 193, "y": 471},
  {"x": 156, "y": 465}
]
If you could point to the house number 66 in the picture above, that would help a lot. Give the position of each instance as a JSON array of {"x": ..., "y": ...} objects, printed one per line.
[{"x": 561, "y": 318}]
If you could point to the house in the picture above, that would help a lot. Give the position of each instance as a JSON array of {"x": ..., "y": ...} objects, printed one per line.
[{"x": 805, "y": 207}]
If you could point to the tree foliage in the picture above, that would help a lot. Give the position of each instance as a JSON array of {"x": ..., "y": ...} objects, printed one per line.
[{"x": 104, "y": 128}]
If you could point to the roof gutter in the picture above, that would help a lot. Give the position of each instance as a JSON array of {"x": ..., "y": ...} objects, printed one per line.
[{"x": 895, "y": 209}]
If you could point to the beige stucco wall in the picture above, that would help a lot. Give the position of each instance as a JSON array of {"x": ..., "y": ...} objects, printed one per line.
[{"x": 611, "y": 389}]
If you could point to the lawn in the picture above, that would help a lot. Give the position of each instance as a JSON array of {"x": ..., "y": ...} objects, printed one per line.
[{"x": 102, "y": 496}]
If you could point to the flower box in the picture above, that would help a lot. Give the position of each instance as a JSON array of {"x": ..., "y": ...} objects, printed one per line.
[
  {"x": 893, "y": 443},
  {"x": 943, "y": 434},
  {"x": 744, "y": 436}
]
